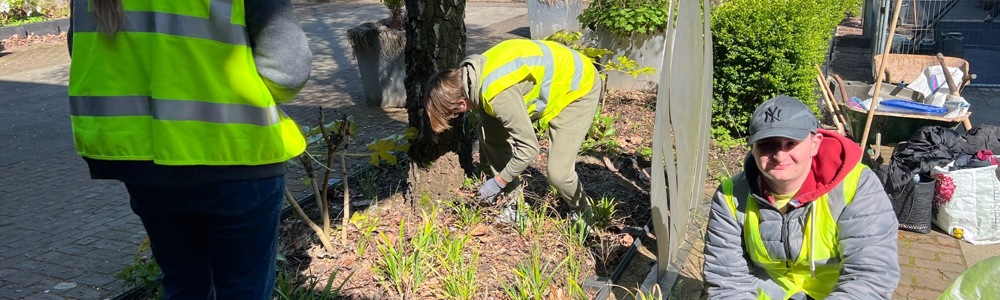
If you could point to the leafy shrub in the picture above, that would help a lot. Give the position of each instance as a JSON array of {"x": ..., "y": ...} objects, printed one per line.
[
  {"x": 587, "y": 45},
  {"x": 626, "y": 17},
  {"x": 143, "y": 274},
  {"x": 16, "y": 12},
  {"x": 601, "y": 136},
  {"x": 765, "y": 48}
]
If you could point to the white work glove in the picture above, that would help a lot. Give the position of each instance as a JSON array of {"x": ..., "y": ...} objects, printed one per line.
[{"x": 489, "y": 190}]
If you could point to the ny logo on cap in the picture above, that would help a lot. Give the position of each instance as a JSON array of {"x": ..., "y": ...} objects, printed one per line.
[{"x": 772, "y": 114}]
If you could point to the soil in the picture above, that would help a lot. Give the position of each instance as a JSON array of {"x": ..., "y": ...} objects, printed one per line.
[
  {"x": 615, "y": 174},
  {"x": 21, "y": 55}
]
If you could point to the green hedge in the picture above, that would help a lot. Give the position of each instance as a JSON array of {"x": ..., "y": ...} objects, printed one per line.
[
  {"x": 17, "y": 12},
  {"x": 765, "y": 48}
]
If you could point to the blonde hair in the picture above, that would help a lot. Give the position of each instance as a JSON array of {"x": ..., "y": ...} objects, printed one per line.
[
  {"x": 110, "y": 14},
  {"x": 444, "y": 98}
]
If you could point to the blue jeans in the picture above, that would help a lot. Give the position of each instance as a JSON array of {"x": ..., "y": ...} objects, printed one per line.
[{"x": 215, "y": 240}]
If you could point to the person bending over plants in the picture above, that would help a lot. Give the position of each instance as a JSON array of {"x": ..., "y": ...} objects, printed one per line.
[{"x": 513, "y": 84}]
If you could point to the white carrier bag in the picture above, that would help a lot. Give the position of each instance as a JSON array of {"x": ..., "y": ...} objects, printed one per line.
[{"x": 973, "y": 211}]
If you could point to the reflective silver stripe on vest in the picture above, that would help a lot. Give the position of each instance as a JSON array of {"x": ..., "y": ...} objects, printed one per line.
[
  {"x": 512, "y": 66},
  {"x": 837, "y": 201},
  {"x": 172, "y": 110},
  {"x": 550, "y": 72},
  {"x": 218, "y": 27},
  {"x": 578, "y": 75}
]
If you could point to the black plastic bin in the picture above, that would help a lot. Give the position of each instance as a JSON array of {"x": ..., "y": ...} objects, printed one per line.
[{"x": 914, "y": 205}]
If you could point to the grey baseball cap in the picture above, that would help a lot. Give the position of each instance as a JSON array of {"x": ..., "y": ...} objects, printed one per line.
[{"x": 782, "y": 116}]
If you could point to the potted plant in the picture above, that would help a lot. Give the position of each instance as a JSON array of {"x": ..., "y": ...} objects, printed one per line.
[
  {"x": 635, "y": 29},
  {"x": 547, "y": 17},
  {"x": 378, "y": 47}
]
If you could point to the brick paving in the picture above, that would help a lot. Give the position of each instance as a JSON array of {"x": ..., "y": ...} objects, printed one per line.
[
  {"x": 928, "y": 263},
  {"x": 57, "y": 225}
]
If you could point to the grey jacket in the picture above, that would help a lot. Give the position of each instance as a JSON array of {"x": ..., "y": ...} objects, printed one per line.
[{"x": 867, "y": 230}]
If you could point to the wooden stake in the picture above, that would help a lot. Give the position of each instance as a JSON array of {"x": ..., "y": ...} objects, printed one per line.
[
  {"x": 843, "y": 97},
  {"x": 825, "y": 85},
  {"x": 880, "y": 74},
  {"x": 829, "y": 104}
]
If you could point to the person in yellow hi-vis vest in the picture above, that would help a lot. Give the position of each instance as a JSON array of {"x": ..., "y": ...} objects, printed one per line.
[
  {"x": 804, "y": 220},
  {"x": 178, "y": 100},
  {"x": 513, "y": 84}
]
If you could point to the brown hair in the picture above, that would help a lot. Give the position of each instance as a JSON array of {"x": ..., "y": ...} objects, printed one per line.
[
  {"x": 110, "y": 14},
  {"x": 443, "y": 98}
]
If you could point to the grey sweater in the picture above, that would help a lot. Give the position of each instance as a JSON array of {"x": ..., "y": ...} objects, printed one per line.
[{"x": 283, "y": 59}]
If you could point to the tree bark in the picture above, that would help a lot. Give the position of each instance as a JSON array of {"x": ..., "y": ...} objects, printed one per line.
[{"x": 435, "y": 40}]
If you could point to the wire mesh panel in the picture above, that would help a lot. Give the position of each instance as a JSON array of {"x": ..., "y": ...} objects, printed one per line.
[
  {"x": 979, "y": 44},
  {"x": 956, "y": 28}
]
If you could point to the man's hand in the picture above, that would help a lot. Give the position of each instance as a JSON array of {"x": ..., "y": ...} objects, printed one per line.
[{"x": 490, "y": 189}]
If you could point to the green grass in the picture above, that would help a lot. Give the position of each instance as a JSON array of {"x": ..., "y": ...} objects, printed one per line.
[
  {"x": 604, "y": 211},
  {"x": 531, "y": 278},
  {"x": 458, "y": 272},
  {"x": 468, "y": 214}
]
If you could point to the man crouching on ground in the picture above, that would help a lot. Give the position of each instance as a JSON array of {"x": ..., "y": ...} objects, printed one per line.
[{"x": 805, "y": 219}]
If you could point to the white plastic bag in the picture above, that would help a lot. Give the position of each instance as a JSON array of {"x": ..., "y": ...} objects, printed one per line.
[
  {"x": 973, "y": 212},
  {"x": 934, "y": 86},
  {"x": 957, "y": 106}
]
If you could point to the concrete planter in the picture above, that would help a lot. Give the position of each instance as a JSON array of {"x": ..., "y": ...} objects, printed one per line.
[
  {"x": 546, "y": 19},
  {"x": 380, "y": 55},
  {"x": 645, "y": 49}
]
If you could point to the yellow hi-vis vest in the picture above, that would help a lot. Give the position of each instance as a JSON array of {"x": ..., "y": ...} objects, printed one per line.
[
  {"x": 177, "y": 85},
  {"x": 818, "y": 266},
  {"x": 561, "y": 75}
]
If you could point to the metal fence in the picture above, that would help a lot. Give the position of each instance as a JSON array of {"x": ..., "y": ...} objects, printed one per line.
[{"x": 968, "y": 29}]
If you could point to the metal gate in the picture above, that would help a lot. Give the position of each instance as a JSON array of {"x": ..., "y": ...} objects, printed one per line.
[{"x": 969, "y": 29}]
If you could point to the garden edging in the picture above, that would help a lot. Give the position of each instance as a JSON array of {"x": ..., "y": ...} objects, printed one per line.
[{"x": 55, "y": 26}]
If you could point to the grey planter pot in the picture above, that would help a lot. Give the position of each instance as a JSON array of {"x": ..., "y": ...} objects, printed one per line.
[
  {"x": 645, "y": 49},
  {"x": 546, "y": 19},
  {"x": 380, "y": 55}
]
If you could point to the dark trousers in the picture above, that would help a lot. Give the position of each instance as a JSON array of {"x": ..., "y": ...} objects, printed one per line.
[{"x": 215, "y": 240}]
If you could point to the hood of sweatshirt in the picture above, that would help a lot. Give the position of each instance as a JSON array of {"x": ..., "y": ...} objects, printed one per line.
[
  {"x": 472, "y": 69},
  {"x": 836, "y": 157}
]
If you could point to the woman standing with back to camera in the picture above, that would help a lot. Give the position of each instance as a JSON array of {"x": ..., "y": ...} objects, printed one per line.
[{"x": 178, "y": 100}]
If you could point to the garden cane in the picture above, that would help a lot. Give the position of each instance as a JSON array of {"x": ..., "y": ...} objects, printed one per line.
[
  {"x": 843, "y": 97},
  {"x": 951, "y": 85},
  {"x": 829, "y": 104},
  {"x": 835, "y": 110},
  {"x": 880, "y": 74}
]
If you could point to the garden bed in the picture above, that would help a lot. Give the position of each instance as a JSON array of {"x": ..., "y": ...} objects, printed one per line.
[{"x": 437, "y": 248}]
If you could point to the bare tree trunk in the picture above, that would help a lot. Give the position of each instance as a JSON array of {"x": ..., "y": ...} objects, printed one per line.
[{"x": 435, "y": 40}]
